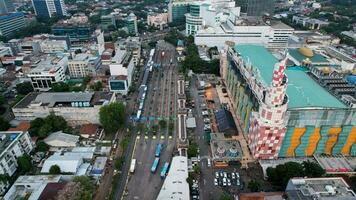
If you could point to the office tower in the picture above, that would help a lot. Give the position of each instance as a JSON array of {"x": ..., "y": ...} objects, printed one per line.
[
  {"x": 131, "y": 24},
  {"x": 177, "y": 10},
  {"x": 11, "y": 22},
  {"x": 49, "y": 8},
  {"x": 6, "y": 6},
  {"x": 260, "y": 7}
]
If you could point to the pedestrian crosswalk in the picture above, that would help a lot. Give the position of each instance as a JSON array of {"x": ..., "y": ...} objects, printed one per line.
[{"x": 153, "y": 137}]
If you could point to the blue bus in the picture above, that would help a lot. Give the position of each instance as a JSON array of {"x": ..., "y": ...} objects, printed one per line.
[
  {"x": 155, "y": 165},
  {"x": 158, "y": 150},
  {"x": 164, "y": 170}
]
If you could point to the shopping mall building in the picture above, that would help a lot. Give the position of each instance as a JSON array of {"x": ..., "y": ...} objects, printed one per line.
[{"x": 283, "y": 111}]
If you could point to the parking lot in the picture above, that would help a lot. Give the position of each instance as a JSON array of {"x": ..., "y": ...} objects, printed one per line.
[{"x": 227, "y": 179}]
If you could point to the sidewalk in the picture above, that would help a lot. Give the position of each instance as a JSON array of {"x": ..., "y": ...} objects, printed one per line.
[{"x": 247, "y": 157}]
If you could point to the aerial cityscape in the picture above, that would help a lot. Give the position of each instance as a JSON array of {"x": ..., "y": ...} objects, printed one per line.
[{"x": 178, "y": 99}]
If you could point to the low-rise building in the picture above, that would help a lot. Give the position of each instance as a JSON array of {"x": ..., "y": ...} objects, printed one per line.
[
  {"x": 55, "y": 44},
  {"x": 83, "y": 65},
  {"x": 67, "y": 163},
  {"x": 13, "y": 144},
  {"x": 309, "y": 23},
  {"x": 158, "y": 20},
  {"x": 319, "y": 189},
  {"x": 31, "y": 187},
  {"x": 59, "y": 139},
  {"x": 76, "y": 108},
  {"x": 132, "y": 44},
  {"x": 48, "y": 71}
]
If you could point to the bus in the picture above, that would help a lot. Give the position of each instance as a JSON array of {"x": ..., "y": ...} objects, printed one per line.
[
  {"x": 133, "y": 165},
  {"x": 164, "y": 170},
  {"x": 158, "y": 150},
  {"x": 155, "y": 165}
]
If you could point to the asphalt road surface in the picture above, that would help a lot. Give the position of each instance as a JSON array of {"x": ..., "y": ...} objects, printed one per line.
[{"x": 161, "y": 103}]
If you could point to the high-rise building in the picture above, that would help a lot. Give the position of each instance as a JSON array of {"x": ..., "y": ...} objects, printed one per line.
[
  {"x": 49, "y": 8},
  {"x": 11, "y": 22},
  {"x": 193, "y": 19},
  {"x": 177, "y": 10},
  {"x": 6, "y": 6},
  {"x": 260, "y": 7},
  {"x": 131, "y": 24}
]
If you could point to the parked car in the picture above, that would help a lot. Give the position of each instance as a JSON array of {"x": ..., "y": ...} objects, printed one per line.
[{"x": 216, "y": 182}]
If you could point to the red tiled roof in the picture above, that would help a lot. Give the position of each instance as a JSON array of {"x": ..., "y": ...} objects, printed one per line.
[
  {"x": 23, "y": 126},
  {"x": 88, "y": 129}
]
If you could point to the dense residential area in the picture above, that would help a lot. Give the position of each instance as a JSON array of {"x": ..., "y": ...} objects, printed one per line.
[{"x": 177, "y": 99}]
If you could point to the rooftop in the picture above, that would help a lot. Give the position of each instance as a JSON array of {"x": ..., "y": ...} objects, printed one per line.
[
  {"x": 175, "y": 185},
  {"x": 64, "y": 99},
  {"x": 6, "y": 138},
  {"x": 315, "y": 59},
  {"x": 48, "y": 64},
  {"x": 302, "y": 90},
  {"x": 63, "y": 138},
  {"x": 319, "y": 189}
]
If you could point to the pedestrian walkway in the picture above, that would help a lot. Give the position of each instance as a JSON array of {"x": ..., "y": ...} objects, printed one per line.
[{"x": 247, "y": 157}]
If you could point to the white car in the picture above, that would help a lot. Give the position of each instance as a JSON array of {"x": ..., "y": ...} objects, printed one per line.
[
  {"x": 237, "y": 182},
  {"x": 216, "y": 174},
  {"x": 205, "y": 113},
  {"x": 233, "y": 175},
  {"x": 225, "y": 175},
  {"x": 216, "y": 182},
  {"x": 224, "y": 181},
  {"x": 237, "y": 175},
  {"x": 206, "y": 120},
  {"x": 228, "y": 182}
]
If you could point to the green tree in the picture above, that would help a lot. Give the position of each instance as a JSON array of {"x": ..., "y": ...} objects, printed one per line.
[
  {"x": 86, "y": 190},
  {"x": 254, "y": 185},
  {"x": 225, "y": 196},
  {"x": 97, "y": 86},
  {"x": 112, "y": 117},
  {"x": 162, "y": 123},
  {"x": 4, "y": 125},
  {"x": 280, "y": 175},
  {"x": 312, "y": 169},
  {"x": 52, "y": 123},
  {"x": 192, "y": 149},
  {"x": 24, "y": 163},
  {"x": 42, "y": 146},
  {"x": 60, "y": 87},
  {"x": 24, "y": 88},
  {"x": 2, "y": 99},
  {"x": 35, "y": 126},
  {"x": 55, "y": 169}
]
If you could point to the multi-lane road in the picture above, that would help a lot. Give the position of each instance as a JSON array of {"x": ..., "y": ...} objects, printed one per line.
[{"x": 161, "y": 103}]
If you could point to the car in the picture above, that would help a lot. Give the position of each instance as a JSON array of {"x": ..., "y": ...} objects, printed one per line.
[
  {"x": 228, "y": 182},
  {"x": 207, "y": 120},
  {"x": 225, "y": 175},
  {"x": 216, "y": 174},
  {"x": 216, "y": 182},
  {"x": 237, "y": 175},
  {"x": 237, "y": 182},
  {"x": 233, "y": 175},
  {"x": 224, "y": 182},
  {"x": 195, "y": 197},
  {"x": 221, "y": 174},
  {"x": 206, "y": 126},
  {"x": 195, "y": 192},
  {"x": 205, "y": 113},
  {"x": 209, "y": 162}
]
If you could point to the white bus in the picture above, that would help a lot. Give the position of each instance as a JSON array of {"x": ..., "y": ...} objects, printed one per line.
[{"x": 133, "y": 165}]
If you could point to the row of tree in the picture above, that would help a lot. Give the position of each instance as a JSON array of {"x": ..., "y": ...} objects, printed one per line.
[{"x": 280, "y": 175}]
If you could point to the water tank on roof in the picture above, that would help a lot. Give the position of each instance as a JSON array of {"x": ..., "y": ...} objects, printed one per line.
[
  {"x": 220, "y": 151},
  {"x": 233, "y": 152}
]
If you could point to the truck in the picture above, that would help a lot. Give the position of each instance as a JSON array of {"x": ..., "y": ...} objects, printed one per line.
[
  {"x": 164, "y": 170},
  {"x": 155, "y": 165},
  {"x": 133, "y": 165},
  {"x": 158, "y": 150}
]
